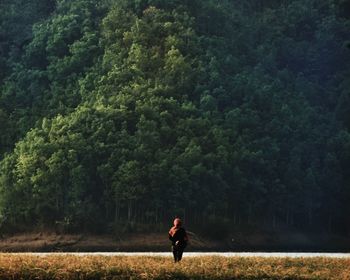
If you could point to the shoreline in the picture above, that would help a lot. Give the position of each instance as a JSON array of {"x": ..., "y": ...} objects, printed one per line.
[
  {"x": 158, "y": 242},
  {"x": 193, "y": 254}
]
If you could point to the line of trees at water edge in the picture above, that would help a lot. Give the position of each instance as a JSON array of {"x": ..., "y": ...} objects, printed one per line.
[{"x": 129, "y": 112}]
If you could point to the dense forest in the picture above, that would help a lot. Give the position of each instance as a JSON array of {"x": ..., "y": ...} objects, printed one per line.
[{"x": 120, "y": 114}]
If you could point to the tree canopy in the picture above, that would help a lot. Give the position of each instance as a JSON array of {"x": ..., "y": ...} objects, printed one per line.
[{"x": 130, "y": 112}]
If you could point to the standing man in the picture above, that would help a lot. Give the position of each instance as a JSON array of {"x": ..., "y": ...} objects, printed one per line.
[{"x": 179, "y": 239}]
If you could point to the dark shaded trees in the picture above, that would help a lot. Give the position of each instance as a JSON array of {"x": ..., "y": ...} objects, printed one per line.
[{"x": 137, "y": 110}]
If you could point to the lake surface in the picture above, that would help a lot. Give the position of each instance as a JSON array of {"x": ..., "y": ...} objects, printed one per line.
[{"x": 201, "y": 254}]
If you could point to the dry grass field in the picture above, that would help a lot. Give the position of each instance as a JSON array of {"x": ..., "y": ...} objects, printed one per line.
[{"x": 100, "y": 267}]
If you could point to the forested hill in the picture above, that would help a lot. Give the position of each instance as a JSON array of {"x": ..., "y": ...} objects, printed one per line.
[{"x": 123, "y": 113}]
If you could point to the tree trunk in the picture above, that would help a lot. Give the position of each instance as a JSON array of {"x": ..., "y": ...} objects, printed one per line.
[
  {"x": 156, "y": 216},
  {"x": 129, "y": 210},
  {"x": 117, "y": 212},
  {"x": 250, "y": 210},
  {"x": 274, "y": 220},
  {"x": 184, "y": 218},
  {"x": 292, "y": 218},
  {"x": 330, "y": 221},
  {"x": 310, "y": 214}
]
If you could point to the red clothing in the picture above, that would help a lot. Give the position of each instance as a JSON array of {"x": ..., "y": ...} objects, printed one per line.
[
  {"x": 178, "y": 234},
  {"x": 179, "y": 239}
]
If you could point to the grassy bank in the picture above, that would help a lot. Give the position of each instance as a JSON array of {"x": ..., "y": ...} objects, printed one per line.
[
  {"x": 51, "y": 242},
  {"x": 158, "y": 242},
  {"x": 98, "y": 267}
]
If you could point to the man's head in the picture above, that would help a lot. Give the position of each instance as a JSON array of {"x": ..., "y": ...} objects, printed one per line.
[{"x": 177, "y": 222}]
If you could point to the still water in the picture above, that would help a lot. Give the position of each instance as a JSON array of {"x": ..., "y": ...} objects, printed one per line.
[{"x": 201, "y": 254}]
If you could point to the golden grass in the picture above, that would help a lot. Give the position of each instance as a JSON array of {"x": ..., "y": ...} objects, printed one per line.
[{"x": 101, "y": 267}]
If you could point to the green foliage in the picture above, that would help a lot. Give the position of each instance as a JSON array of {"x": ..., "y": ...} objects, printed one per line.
[{"x": 135, "y": 111}]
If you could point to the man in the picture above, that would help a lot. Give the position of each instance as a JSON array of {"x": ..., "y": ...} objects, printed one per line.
[{"x": 179, "y": 239}]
